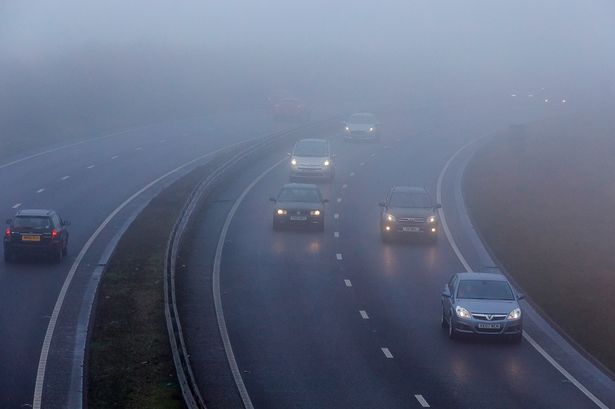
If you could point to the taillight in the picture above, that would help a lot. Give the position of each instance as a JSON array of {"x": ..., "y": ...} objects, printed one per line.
[
  {"x": 7, "y": 232},
  {"x": 54, "y": 234}
]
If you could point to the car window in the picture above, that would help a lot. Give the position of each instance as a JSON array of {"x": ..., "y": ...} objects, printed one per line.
[
  {"x": 32, "y": 222},
  {"x": 410, "y": 199},
  {"x": 299, "y": 195},
  {"x": 56, "y": 221},
  {"x": 311, "y": 148},
  {"x": 484, "y": 290}
]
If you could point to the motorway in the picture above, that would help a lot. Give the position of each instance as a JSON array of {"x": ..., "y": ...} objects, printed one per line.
[
  {"x": 85, "y": 183},
  {"x": 341, "y": 320}
]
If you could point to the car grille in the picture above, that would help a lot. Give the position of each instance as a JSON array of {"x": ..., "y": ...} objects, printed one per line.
[
  {"x": 412, "y": 219},
  {"x": 485, "y": 317}
]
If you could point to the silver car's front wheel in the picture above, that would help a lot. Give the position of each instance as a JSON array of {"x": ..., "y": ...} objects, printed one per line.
[
  {"x": 443, "y": 321},
  {"x": 452, "y": 334}
]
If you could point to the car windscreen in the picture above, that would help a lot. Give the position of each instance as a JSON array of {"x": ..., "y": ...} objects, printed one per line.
[
  {"x": 362, "y": 119},
  {"x": 311, "y": 148},
  {"x": 410, "y": 199},
  {"x": 484, "y": 290},
  {"x": 299, "y": 195},
  {"x": 32, "y": 222}
]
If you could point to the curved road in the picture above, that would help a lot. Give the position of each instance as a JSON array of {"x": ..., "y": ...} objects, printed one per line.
[
  {"x": 339, "y": 319},
  {"x": 85, "y": 182}
]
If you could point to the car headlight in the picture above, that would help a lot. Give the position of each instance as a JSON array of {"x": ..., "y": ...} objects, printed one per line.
[
  {"x": 281, "y": 212},
  {"x": 293, "y": 162},
  {"x": 463, "y": 313},
  {"x": 514, "y": 314},
  {"x": 431, "y": 219},
  {"x": 371, "y": 129},
  {"x": 327, "y": 162},
  {"x": 347, "y": 128},
  {"x": 315, "y": 213},
  {"x": 390, "y": 217}
]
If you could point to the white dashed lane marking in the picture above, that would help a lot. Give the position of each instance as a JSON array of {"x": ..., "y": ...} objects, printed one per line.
[
  {"x": 348, "y": 283},
  {"x": 163, "y": 140},
  {"x": 364, "y": 314},
  {"x": 422, "y": 401},
  {"x": 41, "y": 190},
  {"x": 336, "y": 216},
  {"x": 339, "y": 200},
  {"x": 352, "y": 173},
  {"x": 373, "y": 155},
  {"x": 114, "y": 157},
  {"x": 336, "y": 234},
  {"x": 16, "y": 205},
  {"x": 362, "y": 164},
  {"x": 338, "y": 256},
  {"x": 64, "y": 177},
  {"x": 90, "y": 167},
  {"x": 344, "y": 186},
  {"x": 387, "y": 353},
  {"x": 138, "y": 148}
]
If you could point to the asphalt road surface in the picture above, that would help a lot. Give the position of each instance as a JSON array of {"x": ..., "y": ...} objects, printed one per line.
[
  {"x": 341, "y": 320},
  {"x": 85, "y": 183}
]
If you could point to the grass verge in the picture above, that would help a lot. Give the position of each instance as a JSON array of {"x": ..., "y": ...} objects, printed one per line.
[
  {"x": 542, "y": 197},
  {"x": 130, "y": 365}
]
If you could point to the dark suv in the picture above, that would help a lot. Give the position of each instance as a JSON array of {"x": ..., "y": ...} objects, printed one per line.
[{"x": 36, "y": 232}]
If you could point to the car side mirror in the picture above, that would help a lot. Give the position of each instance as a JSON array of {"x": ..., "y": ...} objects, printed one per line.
[
  {"x": 446, "y": 294},
  {"x": 325, "y": 200},
  {"x": 273, "y": 199},
  {"x": 289, "y": 154},
  {"x": 438, "y": 206},
  {"x": 334, "y": 155},
  {"x": 9, "y": 221},
  {"x": 381, "y": 204},
  {"x": 520, "y": 296},
  {"x": 65, "y": 222}
]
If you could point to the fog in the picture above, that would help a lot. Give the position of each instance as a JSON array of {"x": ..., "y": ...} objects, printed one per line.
[{"x": 81, "y": 68}]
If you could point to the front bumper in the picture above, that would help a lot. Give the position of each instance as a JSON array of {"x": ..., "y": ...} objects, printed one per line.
[
  {"x": 360, "y": 135},
  {"x": 311, "y": 173},
  {"x": 473, "y": 326},
  {"x": 36, "y": 249},
  {"x": 298, "y": 219},
  {"x": 429, "y": 229}
]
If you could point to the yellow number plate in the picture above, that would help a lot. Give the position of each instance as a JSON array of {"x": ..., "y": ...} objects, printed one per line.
[{"x": 30, "y": 238}]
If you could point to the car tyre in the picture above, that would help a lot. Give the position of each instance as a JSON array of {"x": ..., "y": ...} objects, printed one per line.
[
  {"x": 9, "y": 257},
  {"x": 320, "y": 227},
  {"x": 452, "y": 332},
  {"x": 58, "y": 255},
  {"x": 443, "y": 321},
  {"x": 276, "y": 225}
]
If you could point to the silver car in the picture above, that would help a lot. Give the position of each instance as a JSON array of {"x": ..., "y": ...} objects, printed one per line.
[
  {"x": 481, "y": 304},
  {"x": 362, "y": 126},
  {"x": 311, "y": 159}
]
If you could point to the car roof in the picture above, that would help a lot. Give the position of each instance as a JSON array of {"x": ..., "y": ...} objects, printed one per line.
[
  {"x": 409, "y": 189},
  {"x": 300, "y": 185},
  {"x": 35, "y": 212},
  {"x": 313, "y": 140},
  {"x": 362, "y": 113},
  {"x": 472, "y": 275}
]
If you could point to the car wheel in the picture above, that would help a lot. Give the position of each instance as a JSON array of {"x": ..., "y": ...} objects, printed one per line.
[
  {"x": 59, "y": 255},
  {"x": 433, "y": 239},
  {"x": 65, "y": 249},
  {"x": 320, "y": 227},
  {"x": 8, "y": 256},
  {"x": 452, "y": 333},
  {"x": 276, "y": 225},
  {"x": 443, "y": 321}
]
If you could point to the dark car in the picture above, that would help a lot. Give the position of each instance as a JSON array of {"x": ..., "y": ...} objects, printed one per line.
[
  {"x": 290, "y": 110},
  {"x": 36, "y": 232},
  {"x": 409, "y": 211},
  {"x": 299, "y": 204},
  {"x": 481, "y": 304}
]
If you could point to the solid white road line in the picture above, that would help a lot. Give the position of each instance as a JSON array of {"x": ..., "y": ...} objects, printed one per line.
[
  {"x": 42, "y": 362},
  {"x": 364, "y": 314},
  {"x": 64, "y": 177},
  {"x": 41, "y": 190},
  {"x": 348, "y": 283},
  {"x": 16, "y": 205},
  {"x": 90, "y": 167},
  {"x": 422, "y": 401},
  {"x": 228, "y": 348},
  {"x": 336, "y": 216},
  {"x": 336, "y": 234},
  {"x": 338, "y": 256},
  {"x": 467, "y": 266},
  {"x": 387, "y": 353}
]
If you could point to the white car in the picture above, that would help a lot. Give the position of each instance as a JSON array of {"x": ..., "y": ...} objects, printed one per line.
[
  {"x": 362, "y": 126},
  {"x": 311, "y": 159}
]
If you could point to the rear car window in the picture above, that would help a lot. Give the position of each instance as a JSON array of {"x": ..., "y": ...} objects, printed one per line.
[{"x": 32, "y": 222}]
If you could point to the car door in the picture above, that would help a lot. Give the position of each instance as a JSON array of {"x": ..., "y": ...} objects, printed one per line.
[{"x": 448, "y": 302}]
